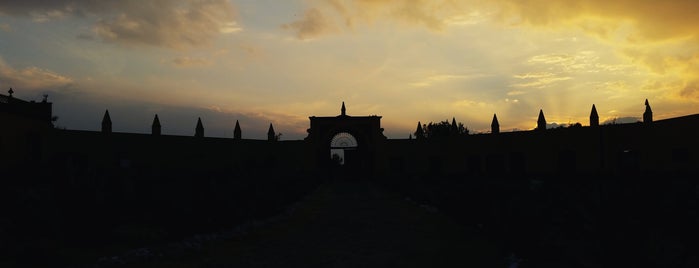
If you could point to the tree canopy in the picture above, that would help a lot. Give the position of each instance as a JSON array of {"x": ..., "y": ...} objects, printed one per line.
[{"x": 441, "y": 130}]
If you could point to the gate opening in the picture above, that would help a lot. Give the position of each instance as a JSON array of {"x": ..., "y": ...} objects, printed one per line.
[{"x": 342, "y": 148}]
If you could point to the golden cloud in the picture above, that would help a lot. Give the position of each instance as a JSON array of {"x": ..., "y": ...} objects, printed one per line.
[
  {"x": 32, "y": 78},
  {"x": 313, "y": 24}
]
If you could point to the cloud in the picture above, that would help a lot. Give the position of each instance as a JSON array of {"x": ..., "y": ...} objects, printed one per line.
[
  {"x": 311, "y": 25},
  {"x": 651, "y": 20},
  {"x": 542, "y": 82},
  {"x": 434, "y": 79},
  {"x": 31, "y": 78},
  {"x": 621, "y": 120},
  {"x": 190, "y": 62},
  {"x": 5, "y": 27},
  {"x": 660, "y": 36},
  {"x": 161, "y": 23},
  {"x": 331, "y": 16}
]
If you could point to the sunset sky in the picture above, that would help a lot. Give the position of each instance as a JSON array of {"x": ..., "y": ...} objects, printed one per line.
[{"x": 272, "y": 61}]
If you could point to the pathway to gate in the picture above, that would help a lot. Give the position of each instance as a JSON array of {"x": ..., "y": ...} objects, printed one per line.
[{"x": 352, "y": 224}]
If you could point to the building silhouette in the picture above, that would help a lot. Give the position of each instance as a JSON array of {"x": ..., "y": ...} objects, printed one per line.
[
  {"x": 526, "y": 185},
  {"x": 667, "y": 145}
]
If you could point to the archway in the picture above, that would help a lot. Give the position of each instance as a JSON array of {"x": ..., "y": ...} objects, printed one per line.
[
  {"x": 343, "y": 147},
  {"x": 357, "y": 140}
]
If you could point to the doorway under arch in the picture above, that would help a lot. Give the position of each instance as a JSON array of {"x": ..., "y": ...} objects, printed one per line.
[{"x": 343, "y": 147}]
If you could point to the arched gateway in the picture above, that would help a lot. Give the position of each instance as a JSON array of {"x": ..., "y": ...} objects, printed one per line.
[{"x": 353, "y": 141}]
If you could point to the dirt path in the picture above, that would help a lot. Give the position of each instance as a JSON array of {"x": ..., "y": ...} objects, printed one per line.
[{"x": 351, "y": 224}]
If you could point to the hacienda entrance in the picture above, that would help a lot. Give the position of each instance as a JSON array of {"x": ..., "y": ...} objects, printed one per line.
[
  {"x": 343, "y": 149},
  {"x": 346, "y": 143}
]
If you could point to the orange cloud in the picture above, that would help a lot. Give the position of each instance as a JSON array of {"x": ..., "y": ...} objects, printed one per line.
[{"x": 31, "y": 78}]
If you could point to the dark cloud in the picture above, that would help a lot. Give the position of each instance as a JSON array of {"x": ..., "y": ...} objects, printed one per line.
[{"x": 163, "y": 23}]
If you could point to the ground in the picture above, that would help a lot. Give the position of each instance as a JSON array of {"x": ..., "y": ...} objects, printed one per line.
[{"x": 347, "y": 223}]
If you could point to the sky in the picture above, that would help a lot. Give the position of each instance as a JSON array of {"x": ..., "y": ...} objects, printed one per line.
[{"x": 279, "y": 62}]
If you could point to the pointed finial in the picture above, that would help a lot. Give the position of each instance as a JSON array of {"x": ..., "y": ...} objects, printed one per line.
[
  {"x": 541, "y": 122},
  {"x": 271, "y": 136},
  {"x": 237, "y": 133},
  {"x": 155, "y": 128},
  {"x": 419, "y": 133},
  {"x": 11, "y": 92},
  {"x": 343, "y": 111},
  {"x": 106, "y": 122},
  {"x": 495, "y": 125},
  {"x": 648, "y": 114},
  {"x": 199, "y": 130},
  {"x": 594, "y": 118}
]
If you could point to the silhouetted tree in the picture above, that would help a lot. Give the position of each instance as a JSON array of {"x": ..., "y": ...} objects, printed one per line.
[
  {"x": 420, "y": 131},
  {"x": 443, "y": 129},
  {"x": 576, "y": 125}
]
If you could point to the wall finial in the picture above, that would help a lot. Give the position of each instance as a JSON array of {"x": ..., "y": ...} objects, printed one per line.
[
  {"x": 594, "y": 117},
  {"x": 155, "y": 128},
  {"x": 237, "y": 133},
  {"x": 106, "y": 122},
  {"x": 343, "y": 111},
  {"x": 495, "y": 125},
  {"x": 541, "y": 122},
  {"x": 648, "y": 114},
  {"x": 271, "y": 135},
  {"x": 199, "y": 130}
]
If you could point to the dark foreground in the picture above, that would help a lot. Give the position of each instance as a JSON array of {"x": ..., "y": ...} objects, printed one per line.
[
  {"x": 350, "y": 224},
  {"x": 402, "y": 221}
]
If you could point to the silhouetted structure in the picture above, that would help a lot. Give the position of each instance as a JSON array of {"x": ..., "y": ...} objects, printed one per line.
[
  {"x": 199, "y": 130},
  {"x": 271, "y": 136},
  {"x": 419, "y": 133},
  {"x": 648, "y": 114},
  {"x": 37, "y": 112},
  {"x": 495, "y": 126},
  {"x": 106, "y": 123},
  {"x": 454, "y": 127},
  {"x": 541, "y": 122},
  {"x": 594, "y": 118},
  {"x": 366, "y": 130},
  {"x": 237, "y": 133},
  {"x": 491, "y": 177},
  {"x": 605, "y": 148},
  {"x": 155, "y": 128}
]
